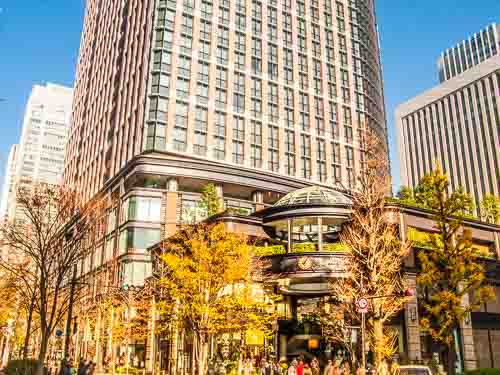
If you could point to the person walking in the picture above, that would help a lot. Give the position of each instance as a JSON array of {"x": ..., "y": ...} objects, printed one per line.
[
  {"x": 315, "y": 367},
  {"x": 300, "y": 368},
  {"x": 292, "y": 370},
  {"x": 307, "y": 369},
  {"x": 266, "y": 368},
  {"x": 328, "y": 368},
  {"x": 90, "y": 368}
]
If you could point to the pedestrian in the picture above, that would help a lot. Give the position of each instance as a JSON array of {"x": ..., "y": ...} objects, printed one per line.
[
  {"x": 82, "y": 367},
  {"x": 266, "y": 368},
  {"x": 292, "y": 370},
  {"x": 315, "y": 367},
  {"x": 307, "y": 370},
  {"x": 276, "y": 368},
  {"x": 300, "y": 368},
  {"x": 248, "y": 367},
  {"x": 90, "y": 368},
  {"x": 328, "y": 368}
]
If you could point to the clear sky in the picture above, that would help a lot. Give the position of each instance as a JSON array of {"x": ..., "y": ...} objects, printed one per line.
[{"x": 39, "y": 41}]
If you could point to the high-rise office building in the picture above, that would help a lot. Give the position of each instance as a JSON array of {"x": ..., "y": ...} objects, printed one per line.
[
  {"x": 258, "y": 97},
  {"x": 470, "y": 52},
  {"x": 39, "y": 157},
  {"x": 456, "y": 124},
  {"x": 9, "y": 183}
]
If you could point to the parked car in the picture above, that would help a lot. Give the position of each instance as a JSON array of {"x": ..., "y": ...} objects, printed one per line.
[{"x": 413, "y": 370}]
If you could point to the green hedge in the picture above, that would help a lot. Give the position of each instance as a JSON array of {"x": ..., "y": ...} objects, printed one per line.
[
  {"x": 21, "y": 367},
  {"x": 263, "y": 251},
  {"x": 484, "y": 371}
]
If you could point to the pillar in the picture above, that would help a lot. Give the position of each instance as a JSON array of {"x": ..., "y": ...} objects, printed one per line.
[
  {"x": 170, "y": 209},
  {"x": 283, "y": 349},
  {"x": 320, "y": 234},
  {"x": 469, "y": 353},
  {"x": 151, "y": 355},
  {"x": 290, "y": 235},
  {"x": 412, "y": 322},
  {"x": 98, "y": 351},
  {"x": 258, "y": 199},
  {"x": 220, "y": 193}
]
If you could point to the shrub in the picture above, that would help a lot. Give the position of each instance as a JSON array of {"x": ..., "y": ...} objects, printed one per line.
[
  {"x": 264, "y": 251},
  {"x": 484, "y": 371},
  {"x": 21, "y": 367}
]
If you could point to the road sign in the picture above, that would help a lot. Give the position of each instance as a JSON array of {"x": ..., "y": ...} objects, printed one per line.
[
  {"x": 59, "y": 333},
  {"x": 362, "y": 305}
]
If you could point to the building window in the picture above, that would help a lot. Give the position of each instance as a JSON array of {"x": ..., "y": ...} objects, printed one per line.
[
  {"x": 305, "y": 156},
  {"x": 219, "y": 136},
  {"x": 238, "y": 154},
  {"x": 200, "y": 132},
  {"x": 143, "y": 209},
  {"x": 273, "y": 148},
  {"x": 321, "y": 160},
  {"x": 135, "y": 273},
  {"x": 179, "y": 134}
]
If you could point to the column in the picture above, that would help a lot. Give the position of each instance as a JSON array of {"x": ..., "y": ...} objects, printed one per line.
[
  {"x": 470, "y": 362},
  {"x": 320, "y": 234},
  {"x": 151, "y": 355},
  {"x": 98, "y": 351},
  {"x": 220, "y": 193},
  {"x": 170, "y": 210},
  {"x": 283, "y": 342},
  {"x": 411, "y": 321},
  {"x": 258, "y": 199},
  {"x": 290, "y": 235}
]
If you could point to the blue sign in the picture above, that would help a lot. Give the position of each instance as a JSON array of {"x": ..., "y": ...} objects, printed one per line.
[{"x": 59, "y": 333}]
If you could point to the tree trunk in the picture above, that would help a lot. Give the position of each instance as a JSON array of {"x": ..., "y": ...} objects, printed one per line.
[
  {"x": 43, "y": 352},
  {"x": 202, "y": 363},
  {"x": 378, "y": 337},
  {"x": 28, "y": 328},
  {"x": 451, "y": 357}
]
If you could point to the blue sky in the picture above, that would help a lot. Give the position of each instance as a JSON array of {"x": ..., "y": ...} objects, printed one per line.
[{"x": 39, "y": 41}]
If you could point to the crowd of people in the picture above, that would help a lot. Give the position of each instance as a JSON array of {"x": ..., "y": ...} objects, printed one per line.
[
  {"x": 300, "y": 366},
  {"x": 84, "y": 367}
]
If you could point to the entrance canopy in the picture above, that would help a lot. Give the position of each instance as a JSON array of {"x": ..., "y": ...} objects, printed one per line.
[{"x": 314, "y": 214}]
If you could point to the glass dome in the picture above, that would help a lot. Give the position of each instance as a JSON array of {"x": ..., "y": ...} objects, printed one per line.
[{"x": 314, "y": 195}]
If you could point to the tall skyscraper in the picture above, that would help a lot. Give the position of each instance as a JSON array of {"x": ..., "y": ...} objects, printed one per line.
[
  {"x": 456, "y": 124},
  {"x": 470, "y": 52},
  {"x": 39, "y": 157},
  {"x": 9, "y": 183},
  {"x": 284, "y": 87},
  {"x": 258, "y": 97}
]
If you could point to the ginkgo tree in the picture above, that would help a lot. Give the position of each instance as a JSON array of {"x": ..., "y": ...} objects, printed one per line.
[
  {"x": 451, "y": 269},
  {"x": 207, "y": 270},
  {"x": 375, "y": 260}
]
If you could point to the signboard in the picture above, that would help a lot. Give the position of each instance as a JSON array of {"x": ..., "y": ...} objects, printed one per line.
[
  {"x": 254, "y": 337},
  {"x": 59, "y": 333},
  {"x": 362, "y": 304}
]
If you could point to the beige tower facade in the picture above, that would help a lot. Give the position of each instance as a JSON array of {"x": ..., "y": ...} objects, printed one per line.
[
  {"x": 280, "y": 86},
  {"x": 257, "y": 97},
  {"x": 456, "y": 124}
]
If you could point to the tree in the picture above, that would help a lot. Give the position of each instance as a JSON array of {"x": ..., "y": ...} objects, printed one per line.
[
  {"x": 207, "y": 272},
  {"x": 49, "y": 238},
  {"x": 405, "y": 194},
  {"x": 210, "y": 201},
  {"x": 490, "y": 209},
  {"x": 376, "y": 255},
  {"x": 450, "y": 268}
]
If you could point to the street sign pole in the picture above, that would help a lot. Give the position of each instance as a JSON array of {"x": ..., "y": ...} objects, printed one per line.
[
  {"x": 363, "y": 357},
  {"x": 363, "y": 305}
]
